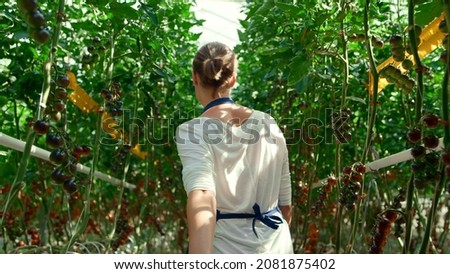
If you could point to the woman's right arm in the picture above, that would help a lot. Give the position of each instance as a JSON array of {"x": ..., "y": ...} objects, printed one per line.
[{"x": 201, "y": 217}]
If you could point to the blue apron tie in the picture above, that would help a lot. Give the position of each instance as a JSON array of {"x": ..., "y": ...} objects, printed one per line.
[{"x": 268, "y": 218}]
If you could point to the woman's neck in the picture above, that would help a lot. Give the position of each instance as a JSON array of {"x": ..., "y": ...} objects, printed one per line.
[{"x": 208, "y": 96}]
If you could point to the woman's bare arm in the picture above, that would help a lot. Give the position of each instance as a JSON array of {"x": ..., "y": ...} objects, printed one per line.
[
  {"x": 201, "y": 215},
  {"x": 287, "y": 213}
]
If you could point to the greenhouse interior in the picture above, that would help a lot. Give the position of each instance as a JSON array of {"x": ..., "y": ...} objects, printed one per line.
[{"x": 93, "y": 92}]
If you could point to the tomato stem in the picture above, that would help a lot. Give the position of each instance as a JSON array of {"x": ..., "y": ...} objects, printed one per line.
[
  {"x": 373, "y": 97},
  {"x": 418, "y": 113},
  {"x": 345, "y": 81}
]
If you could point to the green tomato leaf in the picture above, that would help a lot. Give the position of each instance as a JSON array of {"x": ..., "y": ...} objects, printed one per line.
[
  {"x": 425, "y": 13},
  {"x": 299, "y": 68},
  {"x": 290, "y": 9},
  {"x": 123, "y": 11}
]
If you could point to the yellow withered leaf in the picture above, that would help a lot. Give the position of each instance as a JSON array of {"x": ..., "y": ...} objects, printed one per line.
[
  {"x": 80, "y": 97},
  {"x": 86, "y": 104}
]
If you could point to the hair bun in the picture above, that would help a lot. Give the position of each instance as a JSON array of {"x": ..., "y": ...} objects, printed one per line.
[
  {"x": 213, "y": 68},
  {"x": 215, "y": 64}
]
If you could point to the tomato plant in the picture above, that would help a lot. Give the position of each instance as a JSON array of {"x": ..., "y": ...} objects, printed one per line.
[{"x": 142, "y": 54}]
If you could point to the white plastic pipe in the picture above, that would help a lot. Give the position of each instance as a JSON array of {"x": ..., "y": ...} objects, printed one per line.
[
  {"x": 390, "y": 160},
  {"x": 43, "y": 154},
  {"x": 397, "y": 158}
]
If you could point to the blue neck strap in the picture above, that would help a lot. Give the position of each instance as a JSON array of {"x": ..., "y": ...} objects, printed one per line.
[{"x": 216, "y": 102}]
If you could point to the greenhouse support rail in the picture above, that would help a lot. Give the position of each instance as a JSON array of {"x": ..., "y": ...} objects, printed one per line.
[
  {"x": 397, "y": 158},
  {"x": 390, "y": 160},
  {"x": 43, "y": 154}
]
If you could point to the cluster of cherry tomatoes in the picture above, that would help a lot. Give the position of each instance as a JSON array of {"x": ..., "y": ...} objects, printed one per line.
[
  {"x": 35, "y": 19},
  {"x": 324, "y": 194},
  {"x": 425, "y": 161},
  {"x": 65, "y": 155},
  {"x": 381, "y": 232},
  {"x": 313, "y": 239},
  {"x": 351, "y": 185}
]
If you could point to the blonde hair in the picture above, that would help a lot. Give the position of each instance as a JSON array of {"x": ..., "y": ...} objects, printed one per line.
[{"x": 215, "y": 63}]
